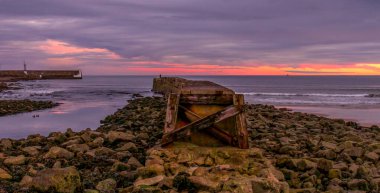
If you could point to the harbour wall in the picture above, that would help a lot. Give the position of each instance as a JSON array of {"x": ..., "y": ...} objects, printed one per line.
[{"x": 41, "y": 74}]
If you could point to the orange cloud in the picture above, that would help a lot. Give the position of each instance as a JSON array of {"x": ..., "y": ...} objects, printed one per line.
[{"x": 149, "y": 67}]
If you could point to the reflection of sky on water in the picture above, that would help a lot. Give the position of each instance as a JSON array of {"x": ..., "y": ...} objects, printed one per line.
[
  {"x": 83, "y": 103},
  {"x": 77, "y": 116}
]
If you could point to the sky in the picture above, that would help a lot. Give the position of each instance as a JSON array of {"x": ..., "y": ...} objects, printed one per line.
[{"x": 197, "y": 37}]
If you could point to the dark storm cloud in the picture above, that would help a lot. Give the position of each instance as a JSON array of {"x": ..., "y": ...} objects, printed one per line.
[{"x": 218, "y": 32}]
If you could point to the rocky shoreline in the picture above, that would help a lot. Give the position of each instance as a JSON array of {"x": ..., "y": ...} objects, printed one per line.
[
  {"x": 290, "y": 152},
  {"x": 9, "y": 107}
]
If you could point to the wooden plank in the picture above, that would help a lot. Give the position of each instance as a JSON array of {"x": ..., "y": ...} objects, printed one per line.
[
  {"x": 206, "y": 99},
  {"x": 241, "y": 125},
  {"x": 171, "y": 113},
  {"x": 215, "y": 131},
  {"x": 201, "y": 124}
]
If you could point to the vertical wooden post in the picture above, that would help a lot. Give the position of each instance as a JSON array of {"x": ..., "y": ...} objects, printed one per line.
[
  {"x": 171, "y": 114},
  {"x": 241, "y": 131}
]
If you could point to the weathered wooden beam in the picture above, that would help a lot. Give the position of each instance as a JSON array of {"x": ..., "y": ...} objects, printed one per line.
[
  {"x": 201, "y": 124},
  {"x": 206, "y": 99},
  {"x": 171, "y": 112},
  {"x": 215, "y": 131},
  {"x": 241, "y": 127}
]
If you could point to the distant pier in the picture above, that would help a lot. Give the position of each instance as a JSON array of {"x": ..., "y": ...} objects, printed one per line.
[{"x": 40, "y": 74}]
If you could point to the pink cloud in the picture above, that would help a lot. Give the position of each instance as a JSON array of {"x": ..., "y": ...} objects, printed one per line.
[{"x": 56, "y": 47}]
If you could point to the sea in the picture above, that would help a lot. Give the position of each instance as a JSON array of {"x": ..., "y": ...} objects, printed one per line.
[{"x": 83, "y": 103}]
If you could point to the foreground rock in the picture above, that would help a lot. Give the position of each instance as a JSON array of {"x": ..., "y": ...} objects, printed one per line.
[
  {"x": 186, "y": 167},
  {"x": 62, "y": 180},
  {"x": 317, "y": 154},
  {"x": 4, "y": 175},
  {"x": 302, "y": 152}
]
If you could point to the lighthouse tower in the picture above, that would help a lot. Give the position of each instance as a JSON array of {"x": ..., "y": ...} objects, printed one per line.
[{"x": 25, "y": 71}]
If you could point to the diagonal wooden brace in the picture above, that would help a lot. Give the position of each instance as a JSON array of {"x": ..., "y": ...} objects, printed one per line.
[
  {"x": 201, "y": 124},
  {"x": 214, "y": 130}
]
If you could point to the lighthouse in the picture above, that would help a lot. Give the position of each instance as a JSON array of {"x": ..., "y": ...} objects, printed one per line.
[{"x": 25, "y": 71}]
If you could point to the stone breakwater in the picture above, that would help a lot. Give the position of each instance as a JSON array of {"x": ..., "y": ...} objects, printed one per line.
[
  {"x": 8, "y": 107},
  {"x": 40, "y": 74},
  {"x": 290, "y": 152}
]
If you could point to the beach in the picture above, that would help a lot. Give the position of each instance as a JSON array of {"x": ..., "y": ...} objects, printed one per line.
[
  {"x": 291, "y": 151},
  {"x": 303, "y": 152},
  {"x": 84, "y": 102}
]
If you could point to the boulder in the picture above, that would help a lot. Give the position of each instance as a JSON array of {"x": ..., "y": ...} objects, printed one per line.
[
  {"x": 328, "y": 145},
  {"x": 32, "y": 150},
  {"x": 268, "y": 185},
  {"x": 353, "y": 169},
  {"x": 149, "y": 181},
  {"x": 26, "y": 181},
  {"x": 18, "y": 160},
  {"x": 134, "y": 163},
  {"x": 305, "y": 164},
  {"x": 61, "y": 180},
  {"x": 90, "y": 191},
  {"x": 97, "y": 142},
  {"x": 363, "y": 172},
  {"x": 4, "y": 175},
  {"x": 203, "y": 183},
  {"x": 72, "y": 142},
  {"x": 335, "y": 173},
  {"x": 128, "y": 147},
  {"x": 86, "y": 137},
  {"x": 200, "y": 171},
  {"x": 106, "y": 186},
  {"x": 78, "y": 148},
  {"x": 143, "y": 136},
  {"x": 354, "y": 152},
  {"x": 340, "y": 166},
  {"x": 113, "y": 136},
  {"x": 325, "y": 164},
  {"x": 358, "y": 184},
  {"x": 120, "y": 166},
  {"x": 58, "y": 152},
  {"x": 101, "y": 151},
  {"x": 372, "y": 156},
  {"x": 6, "y": 144},
  {"x": 151, "y": 170}
]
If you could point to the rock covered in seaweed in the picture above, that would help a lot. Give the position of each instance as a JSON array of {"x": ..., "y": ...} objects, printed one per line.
[{"x": 8, "y": 107}]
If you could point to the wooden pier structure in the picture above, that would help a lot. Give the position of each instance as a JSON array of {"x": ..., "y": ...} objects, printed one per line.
[{"x": 202, "y": 112}]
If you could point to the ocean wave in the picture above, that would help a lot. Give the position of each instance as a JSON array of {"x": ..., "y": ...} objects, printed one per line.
[
  {"x": 373, "y": 95},
  {"x": 306, "y": 94},
  {"x": 312, "y": 102}
]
